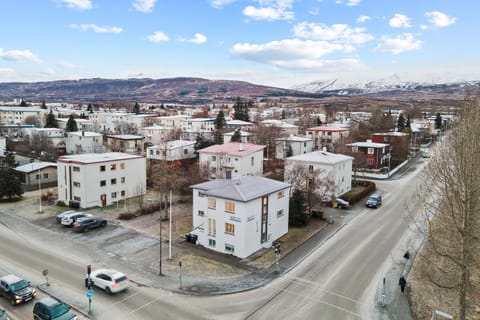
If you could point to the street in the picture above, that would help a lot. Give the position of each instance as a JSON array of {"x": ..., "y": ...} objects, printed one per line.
[{"x": 339, "y": 280}]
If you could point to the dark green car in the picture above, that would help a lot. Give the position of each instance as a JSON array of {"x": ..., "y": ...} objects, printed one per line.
[{"x": 52, "y": 309}]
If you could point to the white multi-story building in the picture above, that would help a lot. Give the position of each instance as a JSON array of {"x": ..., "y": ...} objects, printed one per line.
[
  {"x": 127, "y": 143},
  {"x": 3, "y": 146},
  {"x": 292, "y": 146},
  {"x": 240, "y": 216},
  {"x": 157, "y": 134},
  {"x": 83, "y": 142},
  {"x": 231, "y": 160},
  {"x": 100, "y": 179},
  {"x": 17, "y": 115},
  {"x": 285, "y": 128},
  {"x": 175, "y": 122},
  {"x": 325, "y": 136},
  {"x": 328, "y": 173},
  {"x": 172, "y": 150},
  {"x": 245, "y": 137}
]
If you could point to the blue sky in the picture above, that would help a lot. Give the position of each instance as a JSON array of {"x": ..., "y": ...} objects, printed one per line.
[{"x": 272, "y": 42}]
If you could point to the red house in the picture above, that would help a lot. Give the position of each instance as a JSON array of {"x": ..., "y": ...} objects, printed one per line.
[{"x": 375, "y": 154}]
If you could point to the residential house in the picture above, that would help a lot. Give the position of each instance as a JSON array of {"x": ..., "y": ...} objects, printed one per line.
[
  {"x": 325, "y": 136},
  {"x": 399, "y": 144},
  {"x": 329, "y": 174},
  {"x": 3, "y": 146},
  {"x": 285, "y": 128},
  {"x": 100, "y": 179},
  {"x": 292, "y": 146},
  {"x": 172, "y": 150},
  {"x": 245, "y": 137},
  {"x": 174, "y": 122},
  {"x": 77, "y": 142},
  {"x": 37, "y": 175},
  {"x": 239, "y": 125},
  {"x": 231, "y": 160},
  {"x": 127, "y": 143},
  {"x": 18, "y": 115},
  {"x": 82, "y": 124},
  {"x": 373, "y": 154},
  {"x": 156, "y": 134},
  {"x": 194, "y": 127},
  {"x": 240, "y": 216}
]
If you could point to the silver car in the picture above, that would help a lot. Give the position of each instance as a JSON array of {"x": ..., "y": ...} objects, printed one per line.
[{"x": 69, "y": 219}]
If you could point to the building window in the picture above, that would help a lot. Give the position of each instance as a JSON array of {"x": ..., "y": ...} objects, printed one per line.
[
  {"x": 230, "y": 206},
  {"x": 370, "y": 151},
  {"x": 122, "y": 165},
  {"x": 122, "y": 193},
  {"x": 102, "y": 168},
  {"x": 76, "y": 184},
  {"x": 103, "y": 183},
  {"x": 151, "y": 152},
  {"x": 229, "y": 248},
  {"x": 76, "y": 169},
  {"x": 214, "y": 158},
  {"x": 369, "y": 161},
  {"x": 212, "y": 203},
  {"x": 113, "y": 181},
  {"x": 310, "y": 168},
  {"x": 45, "y": 176},
  {"x": 185, "y": 151},
  {"x": 252, "y": 160},
  {"x": 37, "y": 177},
  {"x": 77, "y": 198},
  {"x": 113, "y": 166},
  {"x": 280, "y": 194},
  {"x": 212, "y": 228},
  {"x": 201, "y": 194},
  {"x": 114, "y": 195},
  {"x": 309, "y": 183},
  {"x": 355, "y": 149},
  {"x": 212, "y": 242},
  {"x": 229, "y": 228},
  {"x": 279, "y": 213},
  {"x": 201, "y": 213},
  {"x": 122, "y": 179}
]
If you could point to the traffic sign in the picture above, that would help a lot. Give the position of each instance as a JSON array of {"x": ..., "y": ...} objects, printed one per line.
[{"x": 89, "y": 294}]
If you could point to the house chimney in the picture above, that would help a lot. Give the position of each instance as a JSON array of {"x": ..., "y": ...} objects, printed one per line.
[
  {"x": 240, "y": 147},
  {"x": 324, "y": 149}
]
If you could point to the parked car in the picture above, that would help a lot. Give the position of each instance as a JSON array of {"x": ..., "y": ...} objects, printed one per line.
[
  {"x": 60, "y": 216},
  {"x": 16, "y": 289},
  {"x": 336, "y": 203},
  {"x": 70, "y": 218},
  {"x": 52, "y": 309},
  {"x": 3, "y": 314},
  {"x": 426, "y": 154},
  {"x": 88, "y": 223},
  {"x": 374, "y": 201},
  {"x": 109, "y": 280}
]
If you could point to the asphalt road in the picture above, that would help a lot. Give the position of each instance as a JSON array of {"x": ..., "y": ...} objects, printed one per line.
[{"x": 338, "y": 280}]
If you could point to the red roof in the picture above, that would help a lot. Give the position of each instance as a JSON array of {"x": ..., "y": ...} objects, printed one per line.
[
  {"x": 327, "y": 129},
  {"x": 233, "y": 148}
]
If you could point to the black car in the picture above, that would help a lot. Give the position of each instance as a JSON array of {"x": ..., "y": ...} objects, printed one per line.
[
  {"x": 52, "y": 309},
  {"x": 16, "y": 289},
  {"x": 88, "y": 223},
  {"x": 374, "y": 201}
]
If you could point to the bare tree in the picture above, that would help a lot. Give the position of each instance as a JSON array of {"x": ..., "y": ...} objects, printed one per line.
[{"x": 448, "y": 265}]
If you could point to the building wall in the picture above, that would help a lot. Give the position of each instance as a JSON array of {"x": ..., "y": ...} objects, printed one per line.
[
  {"x": 47, "y": 176},
  {"x": 218, "y": 164},
  {"x": 88, "y": 191},
  {"x": 76, "y": 144},
  {"x": 246, "y": 220},
  {"x": 298, "y": 147}
]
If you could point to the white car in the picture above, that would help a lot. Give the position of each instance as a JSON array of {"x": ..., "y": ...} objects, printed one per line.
[
  {"x": 60, "y": 216},
  {"x": 109, "y": 280},
  {"x": 70, "y": 218}
]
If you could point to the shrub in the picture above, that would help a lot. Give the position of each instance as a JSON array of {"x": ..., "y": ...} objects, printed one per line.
[{"x": 127, "y": 216}]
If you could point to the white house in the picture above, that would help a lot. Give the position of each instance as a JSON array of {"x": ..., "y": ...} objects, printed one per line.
[
  {"x": 245, "y": 137},
  {"x": 328, "y": 173},
  {"x": 240, "y": 216},
  {"x": 175, "y": 122},
  {"x": 37, "y": 175},
  {"x": 325, "y": 136},
  {"x": 192, "y": 128},
  {"x": 292, "y": 146},
  {"x": 100, "y": 179},
  {"x": 231, "y": 160},
  {"x": 157, "y": 134},
  {"x": 128, "y": 143},
  {"x": 3, "y": 146},
  {"x": 284, "y": 127},
  {"x": 17, "y": 115},
  {"x": 83, "y": 142},
  {"x": 172, "y": 150}
]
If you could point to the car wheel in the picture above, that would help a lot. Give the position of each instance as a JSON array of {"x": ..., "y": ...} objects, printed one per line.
[
  {"x": 12, "y": 301},
  {"x": 107, "y": 289},
  {"x": 104, "y": 223}
]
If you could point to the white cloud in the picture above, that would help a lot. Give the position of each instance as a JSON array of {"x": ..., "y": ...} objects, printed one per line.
[
  {"x": 399, "y": 44},
  {"x": 95, "y": 28},
  {"x": 399, "y": 21},
  {"x": 19, "y": 55},
  {"x": 7, "y": 72},
  {"x": 352, "y": 3},
  {"x": 78, "y": 4},
  {"x": 65, "y": 64},
  {"x": 144, "y": 5},
  {"x": 362, "y": 19},
  {"x": 158, "y": 36},
  {"x": 197, "y": 39},
  {"x": 314, "y": 11},
  {"x": 220, "y": 3},
  {"x": 439, "y": 19},
  {"x": 341, "y": 33},
  {"x": 271, "y": 10},
  {"x": 48, "y": 72},
  {"x": 323, "y": 65}
]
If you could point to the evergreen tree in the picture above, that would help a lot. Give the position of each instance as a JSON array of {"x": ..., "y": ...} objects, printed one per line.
[
  {"x": 10, "y": 184},
  {"x": 10, "y": 161},
  {"x": 23, "y": 103},
  {"x": 407, "y": 125},
  {"x": 438, "y": 121},
  {"x": 401, "y": 122},
  {"x": 51, "y": 121},
  {"x": 236, "y": 137},
  {"x": 297, "y": 208},
  {"x": 90, "y": 108},
  {"x": 201, "y": 143},
  {"x": 43, "y": 106},
  {"x": 220, "y": 121},
  {"x": 136, "y": 108},
  {"x": 319, "y": 122},
  {"x": 71, "y": 124},
  {"x": 240, "y": 110},
  {"x": 284, "y": 116}
]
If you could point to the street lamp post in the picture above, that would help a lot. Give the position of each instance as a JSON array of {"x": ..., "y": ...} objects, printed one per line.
[{"x": 39, "y": 189}]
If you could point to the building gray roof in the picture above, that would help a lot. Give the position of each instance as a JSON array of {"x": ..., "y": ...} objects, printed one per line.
[
  {"x": 242, "y": 189},
  {"x": 295, "y": 139},
  {"x": 97, "y": 157},
  {"x": 35, "y": 166},
  {"x": 322, "y": 157}
]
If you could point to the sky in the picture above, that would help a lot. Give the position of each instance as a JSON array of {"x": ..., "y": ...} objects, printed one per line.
[{"x": 280, "y": 43}]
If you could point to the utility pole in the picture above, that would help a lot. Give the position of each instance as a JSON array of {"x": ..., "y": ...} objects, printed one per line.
[
  {"x": 170, "y": 229},
  {"x": 39, "y": 188},
  {"x": 160, "y": 218}
]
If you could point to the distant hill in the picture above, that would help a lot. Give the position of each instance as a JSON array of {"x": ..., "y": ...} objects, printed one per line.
[{"x": 168, "y": 90}]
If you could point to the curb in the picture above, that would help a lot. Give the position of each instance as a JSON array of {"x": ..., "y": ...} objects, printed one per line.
[{"x": 44, "y": 290}]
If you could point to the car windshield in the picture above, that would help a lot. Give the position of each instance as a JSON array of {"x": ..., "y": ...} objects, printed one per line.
[
  {"x": 2, "y": 312},
  {"x": 59, "y": 309},
  {"x": 19, "y": 285}
]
